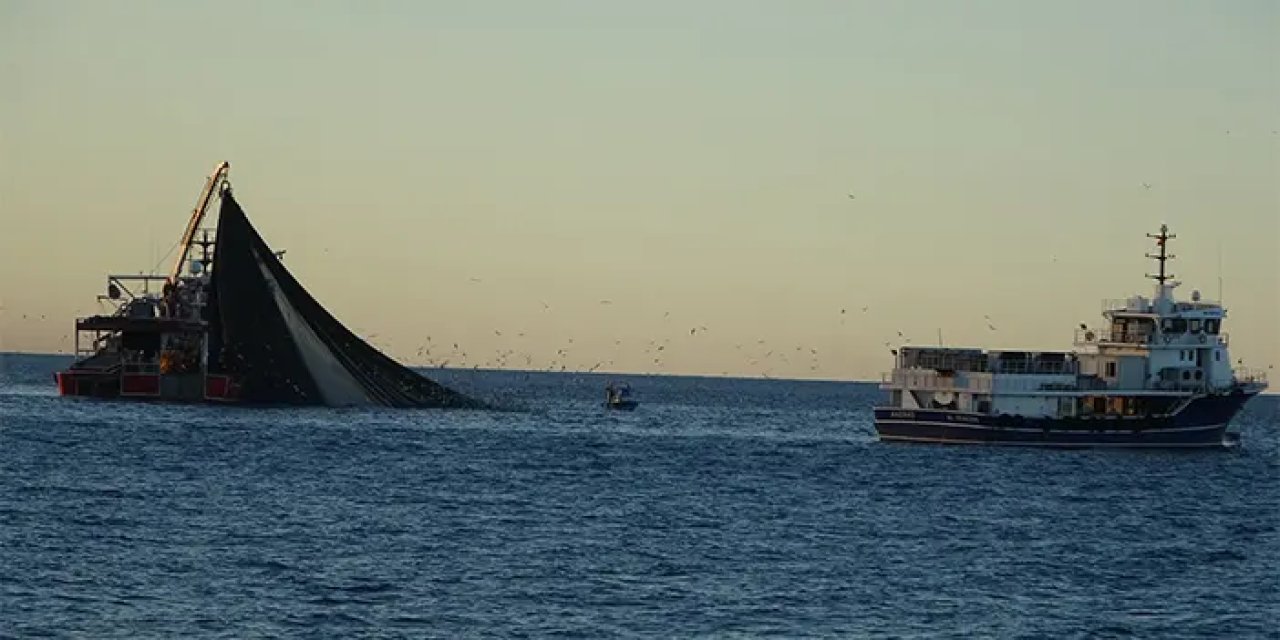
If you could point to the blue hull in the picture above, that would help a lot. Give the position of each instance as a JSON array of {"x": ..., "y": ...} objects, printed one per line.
[{"x": 1201, "y": 423}]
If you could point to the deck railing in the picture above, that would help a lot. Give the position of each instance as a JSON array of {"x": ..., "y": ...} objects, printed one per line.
[
  {"x": 929, "y": 381},
  {"x": 1119, "y": 304},
  {"x": 1246, "y": 375},
  {"x": 1107, "y": 336},
  {"x": 145, "y": 368}
]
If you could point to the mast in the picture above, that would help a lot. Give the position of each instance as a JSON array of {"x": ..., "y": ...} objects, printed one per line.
[
  {"x": 1220, "y": 301},
  {"x": 1162, "y": 239},
  {"x": 216, "y": 178}
]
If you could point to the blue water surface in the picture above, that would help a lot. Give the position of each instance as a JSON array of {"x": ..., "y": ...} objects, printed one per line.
[{"x": 720, "y": 508}]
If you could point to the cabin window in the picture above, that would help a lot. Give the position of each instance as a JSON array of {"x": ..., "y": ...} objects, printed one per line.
[
  {"x": 1111, "y": 369},
  {"x": 1217, "y": 356},
  {"x": 1199, "y": 374},
  {"x": 1179, "y": 325},
  {"x": 1195, "y": 326},
  {"x": 1211, "y": 326},
  {"x": 1186, "y": 375}
]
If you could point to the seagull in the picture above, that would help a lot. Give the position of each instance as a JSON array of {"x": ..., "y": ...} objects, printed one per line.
[
  {"x": 1146, "y": 185},
  {"x": 853, "y": 197}
]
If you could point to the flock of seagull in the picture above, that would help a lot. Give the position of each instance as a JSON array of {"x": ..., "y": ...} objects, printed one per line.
[{"x": 759, "y": 356}]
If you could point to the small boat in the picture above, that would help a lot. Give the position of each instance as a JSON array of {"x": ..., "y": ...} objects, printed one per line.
[{"x": 618, "y": 398}]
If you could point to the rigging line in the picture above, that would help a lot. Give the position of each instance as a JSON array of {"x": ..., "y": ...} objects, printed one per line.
[
  {"x": 166, "y": 255},
  {"x": 179, "y": 241}
]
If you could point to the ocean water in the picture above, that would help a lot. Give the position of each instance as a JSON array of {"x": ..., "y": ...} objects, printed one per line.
[{"x": 720, "y": 508}]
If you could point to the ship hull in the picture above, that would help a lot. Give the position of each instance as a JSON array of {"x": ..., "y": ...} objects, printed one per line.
[
  {"x": 142, "y": 386},
  {"x": 1202, "y": 423}
]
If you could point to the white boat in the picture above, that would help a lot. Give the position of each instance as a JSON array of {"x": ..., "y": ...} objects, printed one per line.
[{"x": 1157, "y": 374}]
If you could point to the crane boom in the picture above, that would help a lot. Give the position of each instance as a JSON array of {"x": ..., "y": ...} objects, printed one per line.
[{"x": 216, "y": 178}]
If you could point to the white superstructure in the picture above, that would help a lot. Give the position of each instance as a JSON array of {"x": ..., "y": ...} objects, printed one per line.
[{"x": 1149, "y": 358}]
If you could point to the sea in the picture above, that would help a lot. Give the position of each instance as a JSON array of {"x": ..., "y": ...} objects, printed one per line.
[{"x": 720, "y": 508}]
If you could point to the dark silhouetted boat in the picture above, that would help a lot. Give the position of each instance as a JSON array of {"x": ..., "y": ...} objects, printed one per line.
[
  {"x": 618, "y": 398},
  {"x": 230, "y": 324}
]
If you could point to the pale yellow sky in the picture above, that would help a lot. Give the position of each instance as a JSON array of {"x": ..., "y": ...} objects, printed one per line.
[{"x": 681, "y": 158}]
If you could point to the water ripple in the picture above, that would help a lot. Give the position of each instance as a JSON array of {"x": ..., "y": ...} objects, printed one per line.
[{"x": 720, "y": 508}]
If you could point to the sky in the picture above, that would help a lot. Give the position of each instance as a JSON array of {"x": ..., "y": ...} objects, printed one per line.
[{"x": 460, "y": 170}]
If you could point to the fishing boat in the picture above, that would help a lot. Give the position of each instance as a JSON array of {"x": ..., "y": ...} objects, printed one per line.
[
  {"x": 230, "y": 324},
  {"x": 618, "y": 398},
  {"x": 1158, "y": 373}
]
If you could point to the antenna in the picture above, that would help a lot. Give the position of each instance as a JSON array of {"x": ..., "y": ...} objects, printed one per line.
[
  {"x": 1162, "y": 239},
  {"x": 1220, "y": 302}
]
